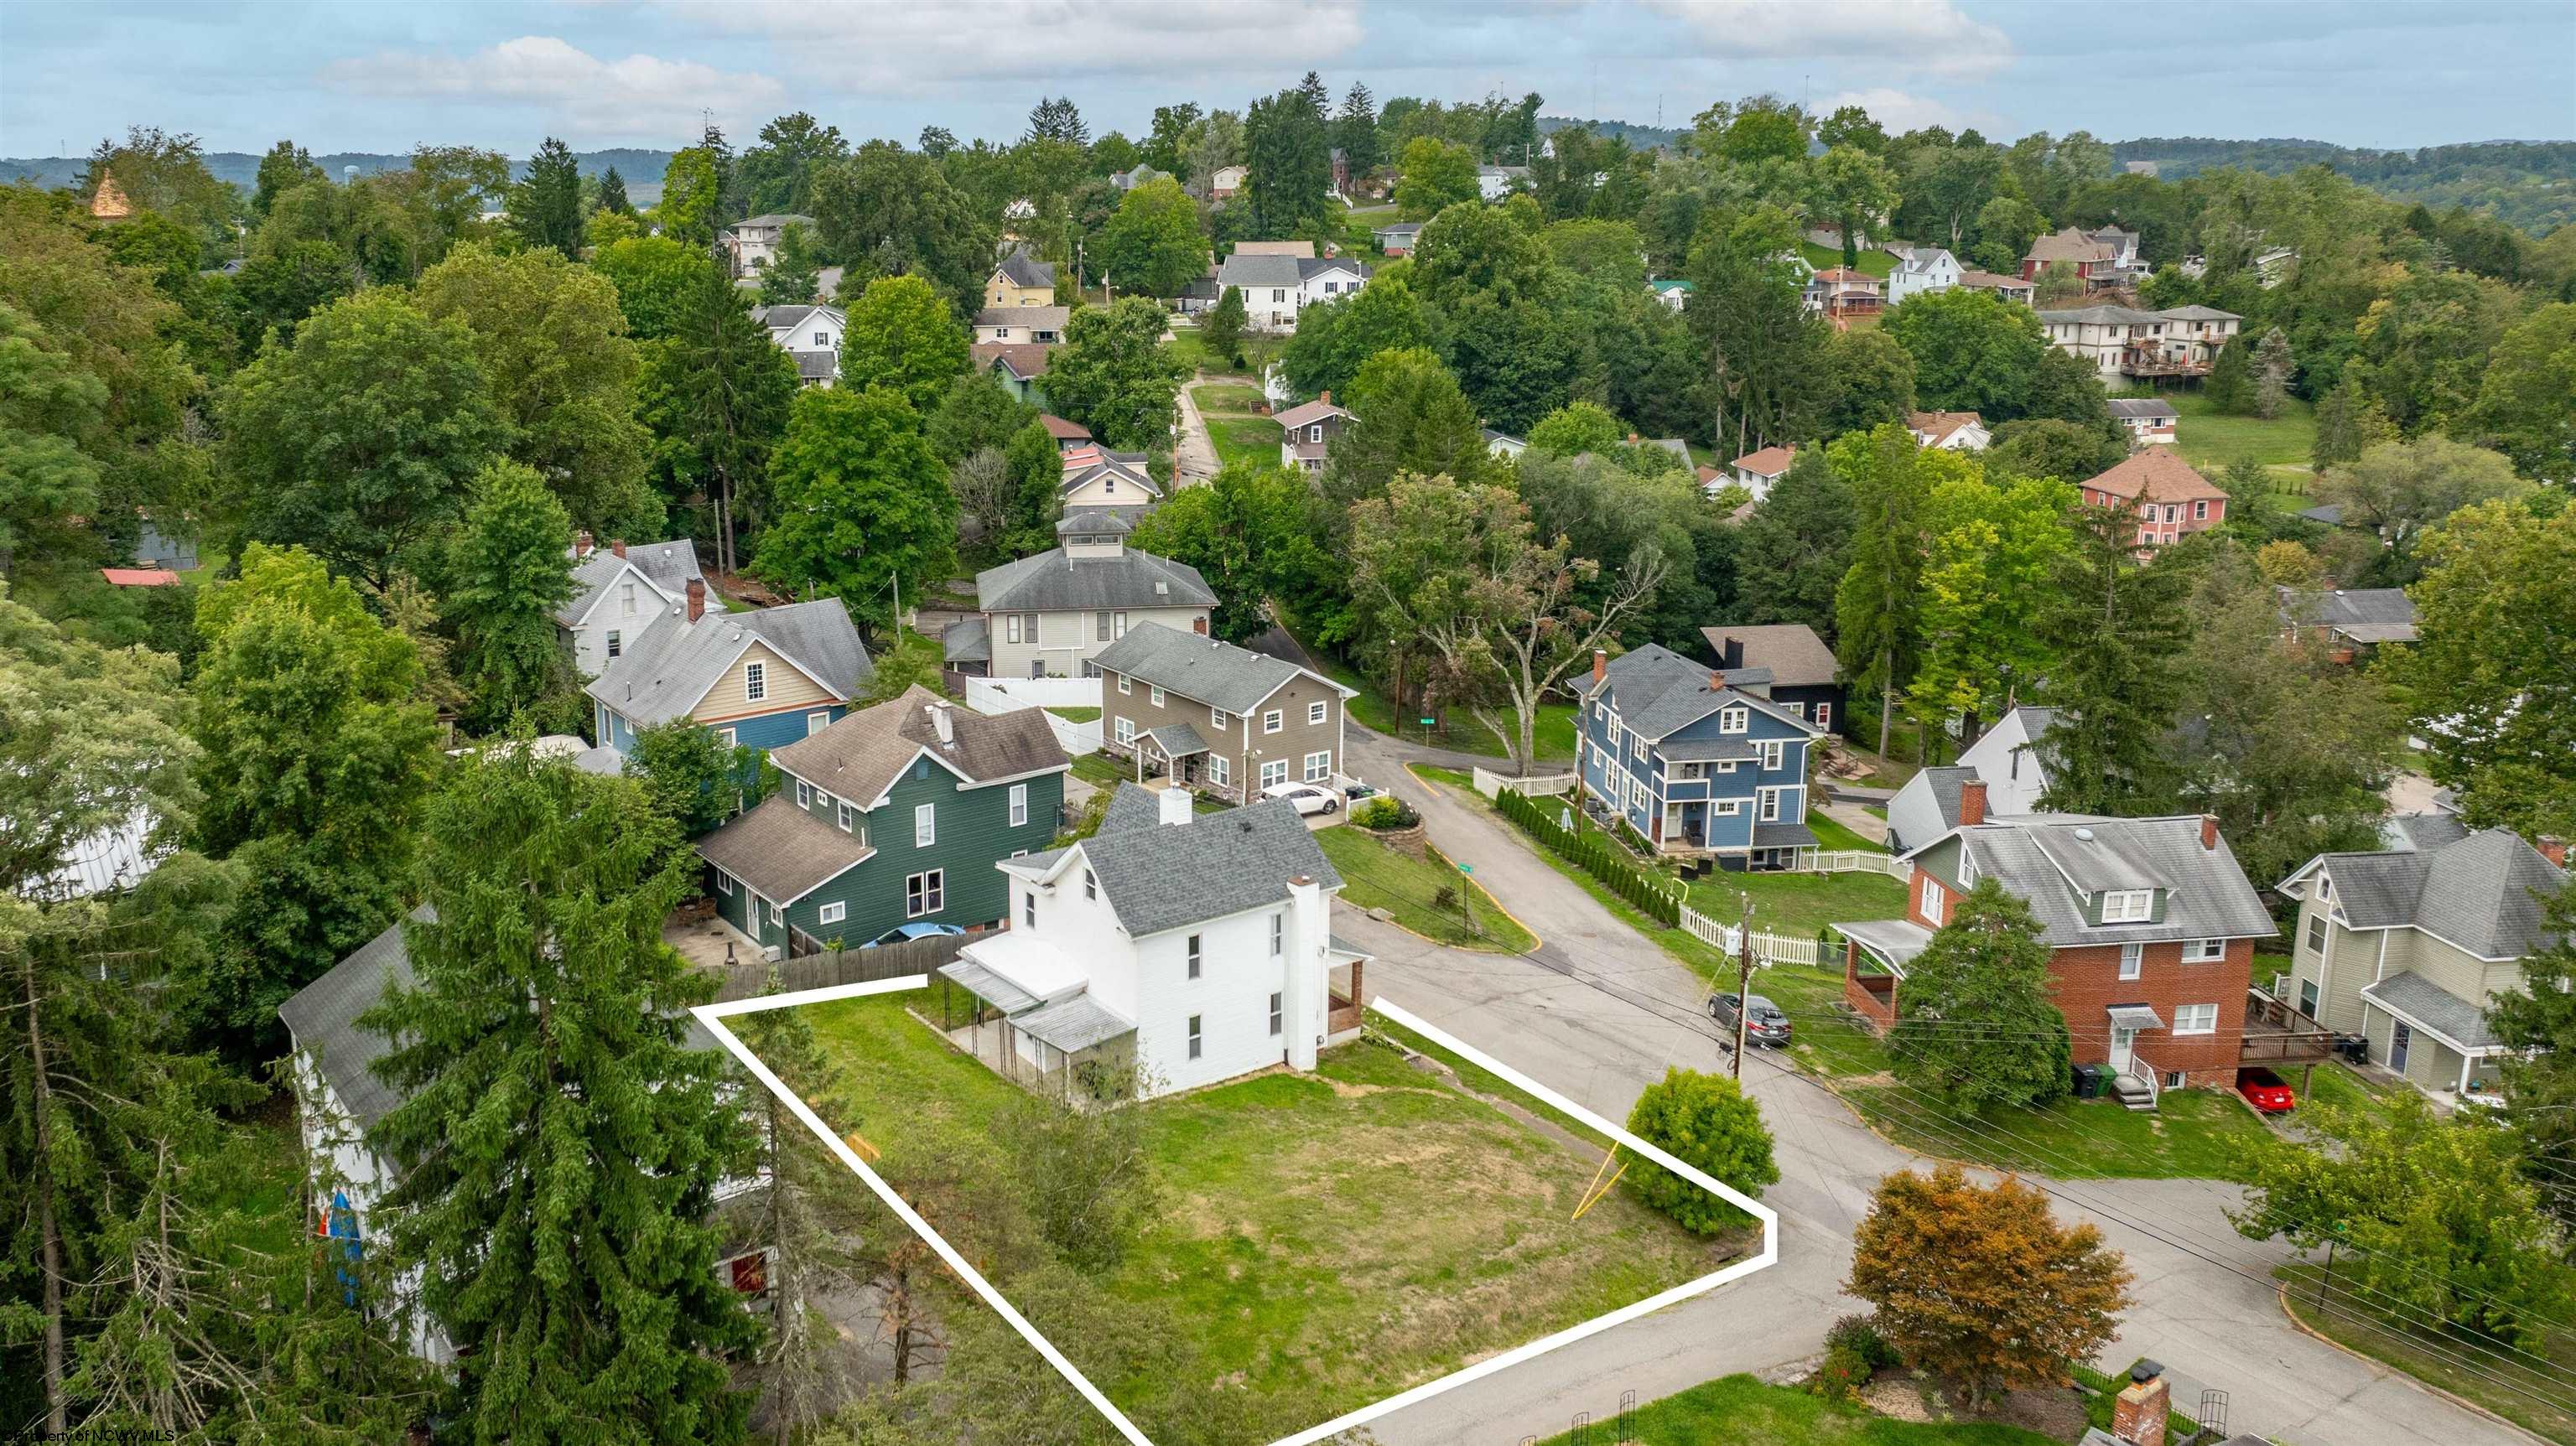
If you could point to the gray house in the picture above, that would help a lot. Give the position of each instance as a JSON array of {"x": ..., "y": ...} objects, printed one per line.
[
  {"x": 1218, "y": 718},
  {"x": 2407, "y": 947},
  {"x": 1049, "y": 616}
]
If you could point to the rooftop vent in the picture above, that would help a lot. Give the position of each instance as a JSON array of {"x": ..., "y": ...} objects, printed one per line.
[{"x": 2085, "y": 834}]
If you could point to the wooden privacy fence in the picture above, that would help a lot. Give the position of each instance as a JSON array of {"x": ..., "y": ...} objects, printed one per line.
[{"x": 839, "y": 966}]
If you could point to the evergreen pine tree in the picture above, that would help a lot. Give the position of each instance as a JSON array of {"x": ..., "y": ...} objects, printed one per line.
[
  {"x": 507, "y": 572},
  {"x": 1355, "y": 131},
  {"x": 545, "y": 207},
  {"x": 717, "y": 395},
  {"x": 1876, "y": 606},
  {"x": 560, "y": 1141},
  {"x": 796, "y": 276},
  {"x": 1221, "y": 328},
  {"x": 612, "y": 193},
  {"x": 2117, "y": 628},
  {"x": 2230, "y": 386},
  {"x": 2271, "y": 374}
]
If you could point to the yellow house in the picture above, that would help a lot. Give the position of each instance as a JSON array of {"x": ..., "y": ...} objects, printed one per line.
[{"x": 1021, "y": 280}]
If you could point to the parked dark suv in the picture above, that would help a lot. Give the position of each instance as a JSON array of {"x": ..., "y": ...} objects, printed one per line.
[{"x": 1765, "y": 1025}]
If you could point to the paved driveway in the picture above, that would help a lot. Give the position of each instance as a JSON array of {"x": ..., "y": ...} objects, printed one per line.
[
  {"x": 1194, "y": 457},
  {"x": 1598, "y": 1012}
]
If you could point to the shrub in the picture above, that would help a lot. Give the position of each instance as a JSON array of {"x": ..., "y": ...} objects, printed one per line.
[
  {"x": 1589, "y": 851},
  {"x": 1384, "y": 812},
  {"x": 1859, "y": 1335},
  {"x": 1842, "y": 1375},
  {"x": 1702, "y": 1120}
]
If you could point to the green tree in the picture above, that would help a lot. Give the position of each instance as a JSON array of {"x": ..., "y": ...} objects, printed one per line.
[
  {"x": 655, "y": 278},
  {"x": 1990, "y": 547},
  {"x": 1287, "y": 154},
  {"x": 1407, "y": 415},
  {"x": 1355, "y": 131},
  {"x": 1576, "y": 428},
  {"x": 1702, "y": 1120},
  {"x": 2230, "y": 386},
  {"x": 1759, "y": 348},
  {"x": 1872, "y": 379},
  {"x": 2118, "y": 629},
  {"x": 2349, "y": 423},
  {"x": 545, "y": 206},
  {"x": 795, "y": 278},
  {"x": 1245, "y": 531},
  {"x": 1153, "y": 244},
  {"x": 1035, "y": 469},
  {"x": 886, "y": 211},
  {"x": 2067, "y": 451},
  {"x": 1856, "y": 189},
  {"x": 46, "y": 482},
  {"x": 977, "y": 412},
  {"x": 1878, "y": 604},
  {"x": 902, "y": 336},
  {"x": 1435, "y": 175},
  {"x": 689, "y": 212},
  {"x": 2496, "y": 613},
  {"x": 1173, "y": 125},
  {"x": 313, "y": 759},
  {"x": 778, "y": 173},
  {"x": 559, "y": 1143},
  {"x": 507, "y": 572},
  {"x": 2536, "y": 1020},
  {"x": 551, "y": 340},
  {"x": 2528, "y": 393},
  {"x": 1793, "y": 551},
  {"x": 2435, "y": 1216},
  {"x": 1972, "y": 353},
  {"x": 612, "y": 194},
  {"x": 1764, "y": 128},
  {"x": 1974, "y": 1023},
  {"x": 1115, "y": 376},
  {"x": 863, "y": 505},
  {"x": 1335, "y": 339},
  {"x": 716, "y": 396},
  {"x": 690, "y": 775},
  {"x": 285, "y": 167},
  {"x": 2398, "y": 489},
  {"x": 1221, "y": 327},
  {"x": 357, "y": 440},
  {"x": 2272, "y": 369}
]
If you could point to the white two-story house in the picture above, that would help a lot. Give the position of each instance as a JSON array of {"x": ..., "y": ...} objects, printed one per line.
[
  {"x": 1275, "y": 288},
  {"x": 1050, "y": 615},
  {"x": 621, "y": 592},
  {"x": 811, "y": 334},
  {"x": 1168, "y": 951},
  {"x": 1924, "y": 271}
]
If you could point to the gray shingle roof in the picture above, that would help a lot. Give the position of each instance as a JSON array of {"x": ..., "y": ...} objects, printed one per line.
[
  {"x": 1791, "y": 652},
  {"x": 1783, "y": 835},
  {"x": 2378, "y": 609},
  {"x": 1035, "y": 318},
  {"x": 967, "y": 640},
  {"x": 1051, "y": 580},
  {"x": 2099, "y": 316},
  {"x": 1132, "y": 806},
  {"x": 787, "y": 318},
  {"x": 1927, "y": 806},
  {"x": 664, "y": 675},
  {"x": 862, "y": 755},
  {"x": 1177, "y": 740},
  {"x": 2141, "y": 407},
  {"x": 1166, "y": 876},
  {"x": 669, "y": 566},
  {"x": 323, "y": 1016},
  {"x": 1239, "y": 269},
  {"x": 1658, "y": 692},
  {"x": 2433, "y": 1007},
  {"x": 1093, "y": 519},
  {"x": 2483, "y": 893},
  {"x": 1710, "y": 750},
  {"x": 1023, "y": 269},
  {"x": 1204, "y": 669},
  {"x": 1082, "y": 466},
  {"x": 783, "y": 852},
  {"x": 817, "y": 366},
  {"x": 2208, "y": 896},
  {"x": 2424, "y": 832}
]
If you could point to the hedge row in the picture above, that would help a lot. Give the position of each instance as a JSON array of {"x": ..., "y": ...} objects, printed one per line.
[{"x": 1595, "y": 856}]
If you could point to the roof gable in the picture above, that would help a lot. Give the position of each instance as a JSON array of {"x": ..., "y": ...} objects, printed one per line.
[
  {"x": 1658, "y": 692},
  {"x": 863, "y": 755},
  {"x": 1158, "y": 877},
  {"x": 1216, "y": 673}
]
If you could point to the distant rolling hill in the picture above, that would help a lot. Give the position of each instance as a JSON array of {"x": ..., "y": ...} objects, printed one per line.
[{"x": 641, "y": 169}]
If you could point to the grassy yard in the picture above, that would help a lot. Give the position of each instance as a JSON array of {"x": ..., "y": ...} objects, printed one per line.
[
  {"x": 1838, "y": 838},
  {"x": 1077, "y": 715},
  {"x": 1245, "y": 440},
  {"x": 1741, "y": 1411},
  {"x": 1798, "y": 904},
  {"x": 1335, "y": 1237},
  {"x": 2486, "y": 1373},
  {"x": 1824, "y": 258},
  {"x": 2210, "y": 441},
  {"x": 1100, "y": 769},
  {"x": 1228, "y": 397},
  {"x": 1379, "y": 877}
]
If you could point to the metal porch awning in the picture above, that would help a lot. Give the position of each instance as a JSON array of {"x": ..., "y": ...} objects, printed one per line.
[
  {"x": 988, "y": 986},
  {"x": 2134, "y": 1016},
  {"x": 1892, "y": 942},
  {"x": 1072, "y": 1025}
]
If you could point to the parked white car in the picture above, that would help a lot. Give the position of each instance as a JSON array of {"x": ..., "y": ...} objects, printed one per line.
[{"x": 1305, "y": 797}]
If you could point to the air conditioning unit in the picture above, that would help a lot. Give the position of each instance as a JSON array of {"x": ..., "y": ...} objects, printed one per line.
[
  {"x": 773, "y": 953},
  {"x": 2280, "y": 986}
]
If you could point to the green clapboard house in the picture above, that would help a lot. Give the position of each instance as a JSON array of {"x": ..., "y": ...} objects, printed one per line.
[{"x": 894, "y": 815}]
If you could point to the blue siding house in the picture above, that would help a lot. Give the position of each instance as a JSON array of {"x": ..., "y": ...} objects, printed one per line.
[
  {"x": 762, "y": 679},
  {"x": 1700, "y": 762}
]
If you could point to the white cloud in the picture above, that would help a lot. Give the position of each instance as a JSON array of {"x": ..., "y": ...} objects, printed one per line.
[
  {"x": 1929, "y": 37},
  {"x": 1898, "y": 111},
  {"x": 639, "y": 94},
  {"x": 929, "y": 46}
]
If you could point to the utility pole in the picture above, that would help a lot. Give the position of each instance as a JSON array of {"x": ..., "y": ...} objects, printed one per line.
[{"x": 1743, "y": 984}]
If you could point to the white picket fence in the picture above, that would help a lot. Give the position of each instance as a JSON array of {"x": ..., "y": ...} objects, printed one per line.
[
  {"x": 1490, "y": 783},
  {"x": 1768, "y": 948},
  {"x": 1851, "y": 861},
  {"x": 1010, "y": 695}
]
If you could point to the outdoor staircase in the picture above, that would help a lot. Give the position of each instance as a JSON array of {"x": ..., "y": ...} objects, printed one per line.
[{"x": 2134, "y": 1092}]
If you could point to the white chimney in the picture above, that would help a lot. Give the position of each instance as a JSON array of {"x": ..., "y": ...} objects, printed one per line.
[
  {"x": 943, "y": 724},
  {"x": 1305, "y": 982},
  {"x": 1172, "y": 805}
]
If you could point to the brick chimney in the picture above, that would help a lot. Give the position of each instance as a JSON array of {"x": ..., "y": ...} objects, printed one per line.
[
  {"x": 582, "y": 544},
  {"x": 2138, "y": 1413},
  {"x": 1199, "y": 626},
  {"x": 1327, "y": 397},
  {"x": 1972, "y": 802},
  {"x": 1716, "y": 680},
  {"x": 2209, "y": 831},
  {"x": 618, "y": 546},
  {"x": 697, "y": 591},
  {"x": 2552, "y": 848},
  {"x": 1600, "y": 664}
]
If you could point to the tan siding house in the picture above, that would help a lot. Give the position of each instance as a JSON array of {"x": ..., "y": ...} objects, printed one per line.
[{"x": 1217, "y": 718}]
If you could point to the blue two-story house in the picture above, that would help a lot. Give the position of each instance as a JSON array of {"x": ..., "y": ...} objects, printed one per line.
[
  {"x": 1699, "y": 762},
  {"x": 763, "y": 679}
]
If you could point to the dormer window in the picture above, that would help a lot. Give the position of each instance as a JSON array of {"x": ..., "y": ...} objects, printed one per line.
[
  {"x": 2128, "y": 906},
  {"x": 1732, "y": 718}
]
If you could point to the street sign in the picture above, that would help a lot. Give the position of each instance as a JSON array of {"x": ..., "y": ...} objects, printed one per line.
[
  {"x": 1466, "y": 868},
  {"x": 1428, "y": 722}
]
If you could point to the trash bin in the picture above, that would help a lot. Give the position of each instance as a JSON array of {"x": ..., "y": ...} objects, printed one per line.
[{"x": 2089, "y": 1081}]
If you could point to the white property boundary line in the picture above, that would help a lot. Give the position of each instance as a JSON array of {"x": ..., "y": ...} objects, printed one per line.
[{"x": 714, "y": 1015}]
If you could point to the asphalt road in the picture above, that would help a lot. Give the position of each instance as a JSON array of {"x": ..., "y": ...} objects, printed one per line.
[{"x": 1598, "y": 1012}]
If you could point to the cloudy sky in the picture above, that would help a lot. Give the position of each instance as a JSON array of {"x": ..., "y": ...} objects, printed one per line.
[{"x": 378, "y": 75}]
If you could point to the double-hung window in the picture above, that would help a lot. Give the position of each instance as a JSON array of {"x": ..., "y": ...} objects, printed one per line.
[
  {"x": 924, "y": 893},
  {"x": 2196, "y": 1019},
  {"x": 755, "y": 681},
  {"x": 1219, "y": 771},
  {"x": 925, "y": 825},
  {"x": 1090, "y": 884},
  {"x": 1273, "y": 720},
  {"x": 1010, "y": 627},
  {"x": 831, "y": 913},
  {"x": 1277, "y": 1015},
  {"x": 1194, "y": 955},
  {"x": 626, "y": 598},
  {"x": 1019, "y": 804},
  {"x": 2128, "y": 906},
  {"x": 1770, "y": 802},
  {"x": 1732, "y": 718},
  {"x": 1155, "y": 697},
  {"x": 1196, "y": 1045},
  {"x": 2316, "y": 933},
  {"x": 1278, "y": 935},
  {"x": 1125, "y": 684},
  {"x": 1319, "y": 766},
  {"x": 1273, "y": 772},
  {"x": 2133, "y": 959},
  {"x": 1029, "y": 909},
  {"x": 804, "y": 794},
  {"x": 1100, "y": 631},
  {"x": 1124, "y": 730},
  {"x": 1935, "y": 901},
  {"x": 616, "y": 642},
  {"x": 1315, "y": 712},
  {"x": 2203, "y": 951},
  {"x": 724, "y": 883},
  {"x": 1216, "y": 719}
]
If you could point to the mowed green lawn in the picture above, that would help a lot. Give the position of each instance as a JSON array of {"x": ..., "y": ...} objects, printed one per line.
[
  {"x": 1245, "y": 441},
  {"x": 1376, "y": 876},
  {"x": 2212, "y": 442},
  {"x": 1741, "y": 1411},
  {"x": 1825, "y": 258},
  {"x": 1330, "y": 1238}
]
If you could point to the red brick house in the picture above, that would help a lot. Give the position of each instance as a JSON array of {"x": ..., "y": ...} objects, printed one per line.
[
  {"x": 2151, "y": 927},
  {"x": 2171, "y": 499}
]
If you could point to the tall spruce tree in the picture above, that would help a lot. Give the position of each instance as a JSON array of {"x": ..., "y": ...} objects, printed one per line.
[
  {"x": 2117, "y": 628},
  {"x": 612, "y": 193},
  {"x": 1877, "y": 607},
  {"x": 716, "y": 395},
  {"x": 559, "y": 1140},
  {"x": 1355, "y": 131},
  {"x": 545, "y": 206}
]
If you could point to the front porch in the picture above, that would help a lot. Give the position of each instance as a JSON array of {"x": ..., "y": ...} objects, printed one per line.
[
  {"x": 1875, "y": 953},
  {"x": 2433, "y": 1040}
]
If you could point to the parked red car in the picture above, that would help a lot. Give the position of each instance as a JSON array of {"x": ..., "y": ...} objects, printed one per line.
[{"x": 2266, "y": 1091}]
